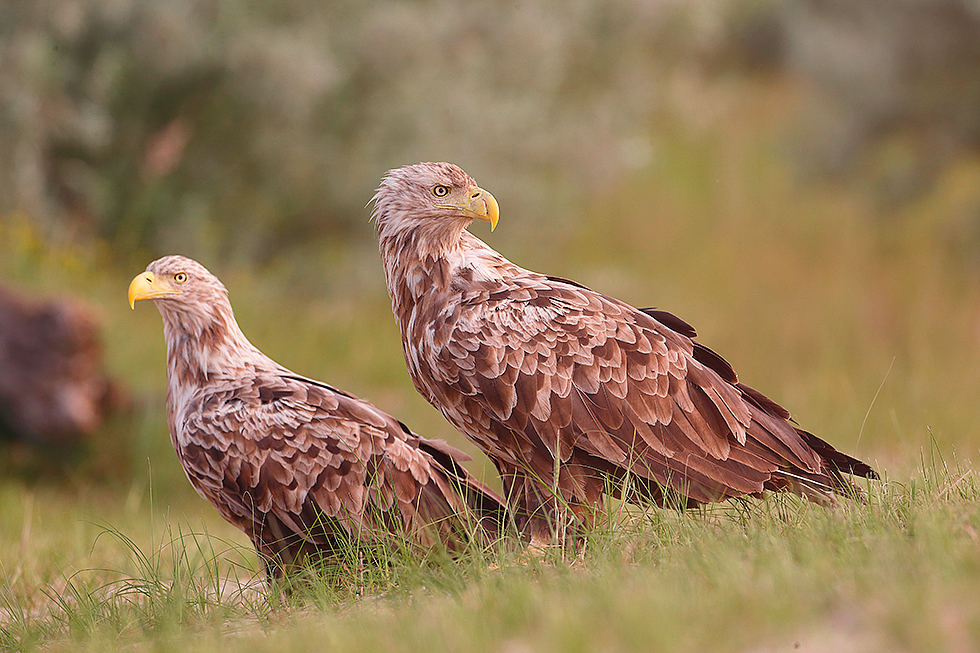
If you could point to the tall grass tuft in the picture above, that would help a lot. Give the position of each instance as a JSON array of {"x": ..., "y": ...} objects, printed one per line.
[{"x": 187, "y": 578}]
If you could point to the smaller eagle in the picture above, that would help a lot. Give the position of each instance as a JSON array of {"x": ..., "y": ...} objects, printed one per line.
[
  {"x": 300, "y": 467},
  {"x": 571, "y": 393}
]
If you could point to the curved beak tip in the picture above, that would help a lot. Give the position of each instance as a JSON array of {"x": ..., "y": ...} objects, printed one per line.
[
  {"x": 493, "y": 209},
  {"x": 139, "y": 287}
]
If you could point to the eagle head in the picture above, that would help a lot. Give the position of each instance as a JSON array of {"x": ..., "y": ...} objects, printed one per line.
[
  {"x": 431, "y": 194},
  {"x": 177, "y": 281}
]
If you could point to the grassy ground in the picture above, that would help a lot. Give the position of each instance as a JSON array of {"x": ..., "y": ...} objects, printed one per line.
[
  {"x": 863, "y": 323},
  {"x": 899, "y": 573}
]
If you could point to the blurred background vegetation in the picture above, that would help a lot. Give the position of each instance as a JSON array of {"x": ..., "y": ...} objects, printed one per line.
[{"x": 800, "y": 180}]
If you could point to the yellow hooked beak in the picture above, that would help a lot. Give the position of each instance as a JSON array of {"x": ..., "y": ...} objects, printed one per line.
[
  {"x": 477, "y": 204},
  {"x": 147, "y": 286}
]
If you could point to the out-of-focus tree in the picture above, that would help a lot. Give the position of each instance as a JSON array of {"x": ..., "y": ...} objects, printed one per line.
[
  {"x": 244, "y": 126},
  {"x": 893, "y": 85},
  {"x": 238, "y": 128}
]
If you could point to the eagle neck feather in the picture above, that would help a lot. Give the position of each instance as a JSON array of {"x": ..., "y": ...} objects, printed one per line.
[
  {"x": 422, "y": 270},
  {"x": 202, "y": 345}
]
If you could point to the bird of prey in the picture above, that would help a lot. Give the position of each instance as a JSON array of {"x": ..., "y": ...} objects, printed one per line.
[
  {"x": 300, "y": 467},
  {"x": 571, "y": 393}
]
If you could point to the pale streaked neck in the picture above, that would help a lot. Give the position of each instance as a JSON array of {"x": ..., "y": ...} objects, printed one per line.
[
  {"x": 419, "y": 260},
  {"x": 201, "y": 346},
  {"x": 425, "y": 262}
]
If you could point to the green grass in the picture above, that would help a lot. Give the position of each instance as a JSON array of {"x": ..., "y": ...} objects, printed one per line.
[
  {"x": 864, "y": 326},
  {"x": 896, "y": 573}
]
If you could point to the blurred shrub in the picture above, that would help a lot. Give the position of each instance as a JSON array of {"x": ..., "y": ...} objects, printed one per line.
[
  {"x": 238, "y": 128},
  {"x": 242, "y": 127},
  {"x": 894, "y": 85},
  {"x": 54, "y": 390}
]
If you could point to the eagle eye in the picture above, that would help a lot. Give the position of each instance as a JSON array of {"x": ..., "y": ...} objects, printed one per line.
[
  {"x": 180, "y": 277},
  {"x": 440, "y": 190}
]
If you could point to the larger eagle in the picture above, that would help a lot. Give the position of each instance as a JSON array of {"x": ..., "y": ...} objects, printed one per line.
[
  {"x": 303, "y": 469},
  {"x": 573, "y": 394}
]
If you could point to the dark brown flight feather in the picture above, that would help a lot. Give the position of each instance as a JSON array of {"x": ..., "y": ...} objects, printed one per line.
[
  {"x": 297, "y": 465},
  {"x": 571, "y": 393}
]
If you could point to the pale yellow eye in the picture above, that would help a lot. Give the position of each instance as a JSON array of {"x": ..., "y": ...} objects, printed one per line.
[
  {"x": 180, "y": 277},
  {"x": 440, "y": 190}
]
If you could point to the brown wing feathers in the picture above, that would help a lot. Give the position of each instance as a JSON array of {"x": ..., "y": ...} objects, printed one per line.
[
  {"x": 351, "y": 470},
  {"x": 290, "y": 493},
  {"x": 634, "y": 403}
]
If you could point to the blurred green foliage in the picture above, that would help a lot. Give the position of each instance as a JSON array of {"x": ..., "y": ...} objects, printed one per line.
[{"x": 240, "y": 128}]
